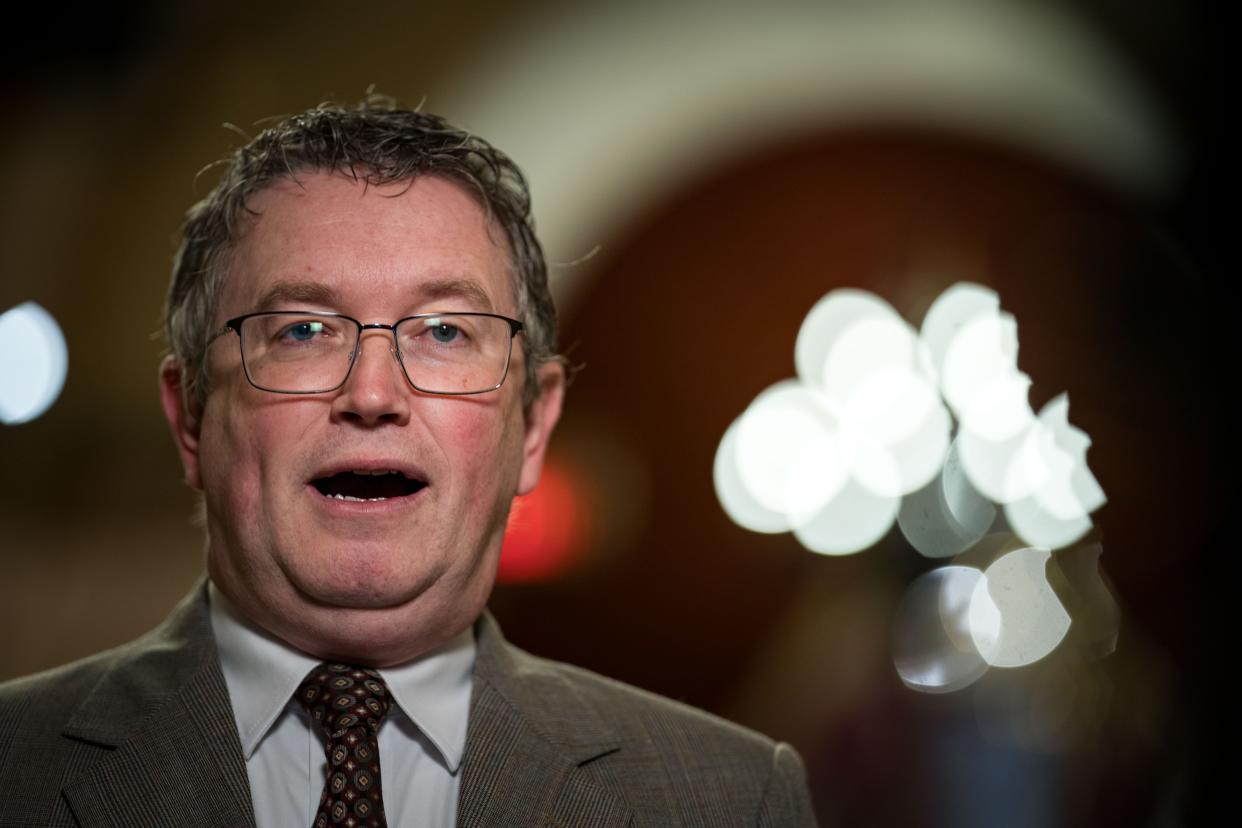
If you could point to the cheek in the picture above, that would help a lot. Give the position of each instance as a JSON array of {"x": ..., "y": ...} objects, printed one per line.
[
  {"x": 228, "y": 480},
  {"x": 242, "y": 450},
  {"x": 484, "y": 449}
]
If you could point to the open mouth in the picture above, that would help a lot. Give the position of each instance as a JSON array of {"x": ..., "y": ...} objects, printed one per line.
[{"x": 367, "y": 486}]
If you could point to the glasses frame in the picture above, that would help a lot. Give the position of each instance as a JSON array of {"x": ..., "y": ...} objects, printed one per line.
[{"x": 235, "y": 325}]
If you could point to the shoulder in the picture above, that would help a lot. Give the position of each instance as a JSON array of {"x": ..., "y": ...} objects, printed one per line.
[
  {"x": 89, "y": 698},
  {"x": 571, "y": 704},
  {"x": 45, "y": 700},
  {"x": 670, "y": 763},
  {"x": 35, "y": 714},
  {"x": 642, "y": 718}
]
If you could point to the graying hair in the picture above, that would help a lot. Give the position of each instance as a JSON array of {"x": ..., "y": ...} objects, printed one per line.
[{"x": 374, "y": 142}]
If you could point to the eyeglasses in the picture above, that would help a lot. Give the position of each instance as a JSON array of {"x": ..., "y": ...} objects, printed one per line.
[{"x": 298, "y": 352}]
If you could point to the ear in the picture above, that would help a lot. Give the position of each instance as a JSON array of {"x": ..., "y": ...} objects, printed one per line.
[
  {"x": 540, "y": 420},
  {"x": 182, "y": 417}
]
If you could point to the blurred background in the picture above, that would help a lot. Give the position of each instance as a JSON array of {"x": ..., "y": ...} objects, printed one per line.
[{"x": 702, "y": 174}]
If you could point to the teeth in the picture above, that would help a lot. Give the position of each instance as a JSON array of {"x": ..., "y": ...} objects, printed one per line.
[
  {"x": 358, "y": 499},
  {"x": 375, "y": 472}
]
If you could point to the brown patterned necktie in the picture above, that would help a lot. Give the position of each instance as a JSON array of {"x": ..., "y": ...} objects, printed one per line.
[{"x": 348, "y": 704}]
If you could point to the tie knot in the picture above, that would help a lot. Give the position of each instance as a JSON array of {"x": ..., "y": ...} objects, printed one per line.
[{"x": 341, "y": 696}]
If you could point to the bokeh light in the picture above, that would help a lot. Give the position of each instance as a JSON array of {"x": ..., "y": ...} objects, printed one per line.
[
  {"x": 1096, "y": 614},
  {"x": 933, "y": 647},
  {"x": 948, "y": 515},
  {"x": 952, "y": 310},
  {"x": 829, "y": 320},
  {"x": 739, "y": 504},
  {"x": 1015, "y": 617},
  {"x": 545, "y": 534},
  {"x": 864, "y": 438},
  {"x": 33, "y": 363},
  {"x": 787, "y": 451},
  {"x": 1052, "y": 463},
  {"x": 980, "y": 375},
  {"x": 853, "y": 520},
  {"x": 864, "y": 435},
  {"x": 997, "y": 606}
]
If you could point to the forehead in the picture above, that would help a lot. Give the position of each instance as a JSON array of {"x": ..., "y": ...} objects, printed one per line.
[{"x": 376, "y": 249}]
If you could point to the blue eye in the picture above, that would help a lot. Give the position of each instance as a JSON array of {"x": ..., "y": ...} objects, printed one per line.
[
  {"x": 445, "y": 332},
  {"x": 304, "y": 331}
]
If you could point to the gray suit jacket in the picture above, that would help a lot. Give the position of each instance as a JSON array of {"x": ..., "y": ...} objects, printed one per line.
[{"x": 144, "y": 735}]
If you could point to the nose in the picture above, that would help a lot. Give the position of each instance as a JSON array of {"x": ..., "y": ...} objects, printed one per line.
[{"x": 376, "y": 391}]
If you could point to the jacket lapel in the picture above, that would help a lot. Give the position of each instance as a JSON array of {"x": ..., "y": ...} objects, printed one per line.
[
  {"x": 164, "y": 728},
  {"x": 529, "y": 743}
]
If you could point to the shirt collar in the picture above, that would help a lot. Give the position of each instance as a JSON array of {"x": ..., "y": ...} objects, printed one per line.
[{"x": 262, "y": 673}]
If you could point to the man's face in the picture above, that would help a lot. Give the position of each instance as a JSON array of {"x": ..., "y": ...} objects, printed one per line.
[{"x": 382, "y": 581}]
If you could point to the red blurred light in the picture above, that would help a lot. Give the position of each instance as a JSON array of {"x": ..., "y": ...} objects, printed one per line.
[{"x": 544, "y": 537}]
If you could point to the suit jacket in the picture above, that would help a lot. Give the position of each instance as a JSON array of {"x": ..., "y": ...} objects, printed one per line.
[{"x": 145, "y": 735}]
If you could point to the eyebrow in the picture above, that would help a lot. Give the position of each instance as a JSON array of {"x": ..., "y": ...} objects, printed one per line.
[
  {"x": 314, "y": 293},
  {"x": 467, "y": 289},
  {"x": 317, "y": 293}
]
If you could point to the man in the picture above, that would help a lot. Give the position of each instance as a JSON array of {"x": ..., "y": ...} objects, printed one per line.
[{"x": 345, "y": 391}]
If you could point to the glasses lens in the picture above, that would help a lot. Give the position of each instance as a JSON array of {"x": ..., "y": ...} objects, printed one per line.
[
  {"x": 297, "y": 352},
  {"x": 455, "y": 353}
]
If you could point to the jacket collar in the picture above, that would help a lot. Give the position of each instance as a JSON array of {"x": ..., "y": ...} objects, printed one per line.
[
  {"x": 531, "y": 739},
  {"x": 163, "y": 729},
  {"x": 167, "y": 751}
]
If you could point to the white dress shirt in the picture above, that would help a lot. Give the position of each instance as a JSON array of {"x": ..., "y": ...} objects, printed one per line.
[{"x": 420, "y": 742}]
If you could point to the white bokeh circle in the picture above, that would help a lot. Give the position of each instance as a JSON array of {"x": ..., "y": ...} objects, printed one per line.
[
  {"x": 1015, "y": 617},
  {"x": 34, "y": 361}
]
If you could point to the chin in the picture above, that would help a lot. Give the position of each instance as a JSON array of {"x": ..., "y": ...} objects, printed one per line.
[
  {"x": 362, "y": 596},
  {"x": 380, "y": 637},
  {"x": 361, "y": 581}
]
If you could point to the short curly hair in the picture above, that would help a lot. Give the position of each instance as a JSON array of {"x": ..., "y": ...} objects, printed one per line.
[{"x": 376, "y": 142}]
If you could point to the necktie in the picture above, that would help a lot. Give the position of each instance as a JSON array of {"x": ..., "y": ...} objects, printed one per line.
[{"x": 348, "y": 704}]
